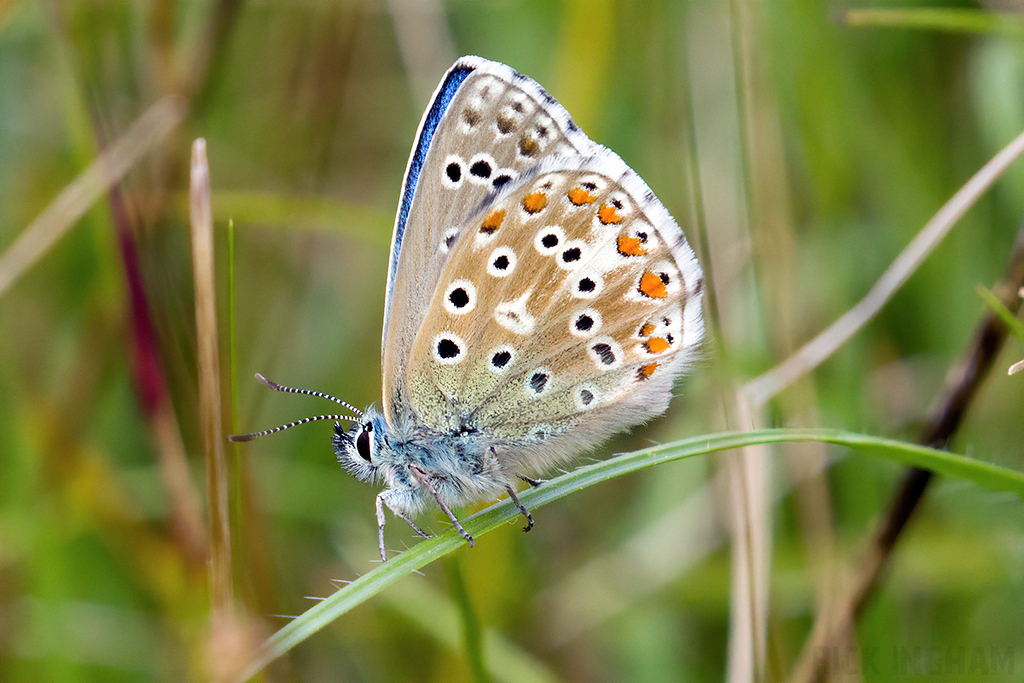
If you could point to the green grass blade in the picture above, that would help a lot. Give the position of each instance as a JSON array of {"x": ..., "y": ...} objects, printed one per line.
[
  {"x": 950, "y": 20},
  {"x": 472, "y": 637},
  {"x": 1015, "y": 326},
  {"x": 984, "y": 474}
]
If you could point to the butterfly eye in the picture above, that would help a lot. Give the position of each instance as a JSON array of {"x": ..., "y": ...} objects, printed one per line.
[{"x": 363, "y": 441}]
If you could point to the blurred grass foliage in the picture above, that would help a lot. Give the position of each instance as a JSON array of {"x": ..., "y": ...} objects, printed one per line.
[{"x": 859, "y": 134}]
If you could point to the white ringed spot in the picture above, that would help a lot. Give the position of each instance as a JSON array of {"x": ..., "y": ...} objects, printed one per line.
[
  {"x": 448, "y": 348},
  {"x": 501, "y": 359},
  {"x": 586, "y": 323},
  {"x": 502, "y": 177},
  {"x": 454, "y": 172},
  {"x": 587, "y": 286},
  {"x": 537, "y": 382},
  {"x": 460, "y": 297},
  {"x": 480, "y": 168},
  {"x": 586, "y": 397},
  {"x": 572, "y": 254},
  {"x": 548, "y": 239},
  {"x": 501, "y": 262},
  {"x": 606, "y": 353},
  {"x": 448, "y": 239}
]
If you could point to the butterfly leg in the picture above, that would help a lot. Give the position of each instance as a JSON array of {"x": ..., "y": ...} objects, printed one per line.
[
  {"x": 380, "y": 526},
  {"x": 522, "y": 508},
  {"x": 381, "y": 502},
  {"x": 424, "y": 479},
  {"x": 532, "y": 482}
]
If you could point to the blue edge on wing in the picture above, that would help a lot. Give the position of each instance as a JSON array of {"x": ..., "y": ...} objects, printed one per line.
[{"x": 412, "y": 176}]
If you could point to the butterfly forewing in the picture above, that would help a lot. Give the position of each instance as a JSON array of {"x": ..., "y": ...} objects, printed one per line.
[
  {"x": 486, "y": 127},
  {"x": 569, "y": 304}
]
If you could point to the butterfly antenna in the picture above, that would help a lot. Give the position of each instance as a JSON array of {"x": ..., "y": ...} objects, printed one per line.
[
  {"x": 307, "y": 392},
  {"x": 241, "y": 438}
]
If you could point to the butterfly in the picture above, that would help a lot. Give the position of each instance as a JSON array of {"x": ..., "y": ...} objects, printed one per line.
[{"x": 539, "y": 299}]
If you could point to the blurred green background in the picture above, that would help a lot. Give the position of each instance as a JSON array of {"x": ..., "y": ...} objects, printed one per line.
[{"x": 820, "y": 150}]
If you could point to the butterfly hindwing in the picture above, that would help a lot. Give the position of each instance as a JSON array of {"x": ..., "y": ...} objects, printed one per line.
[
  {"x": 487, "y": 126},
  {"x": 568, "y": 305}
]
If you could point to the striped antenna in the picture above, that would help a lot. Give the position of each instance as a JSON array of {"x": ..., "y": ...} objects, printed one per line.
[
  {"x": 307, "y": 392},
  {"x": 241, "y": 438}
]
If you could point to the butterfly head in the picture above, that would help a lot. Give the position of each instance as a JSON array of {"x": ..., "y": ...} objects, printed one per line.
[{"x": 360, "y": 447}]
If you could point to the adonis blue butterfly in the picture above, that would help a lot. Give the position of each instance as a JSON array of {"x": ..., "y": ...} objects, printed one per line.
[{"x": 539, "y": 299}]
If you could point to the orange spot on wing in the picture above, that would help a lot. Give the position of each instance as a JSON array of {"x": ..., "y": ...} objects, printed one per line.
[
  {"x": 535, "y": 201},
  {"x": 630, "y": 246},
  {"x": 492, "y": 222},
  {"x": 607, "y": 214},
  {"x": 578, "y": 196},
  {"x": 657, "y": 345},
  {"x": 652, "y": 286},
  {"x": 646, "y": 371},
  {"x": 647, "y": 329}
]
